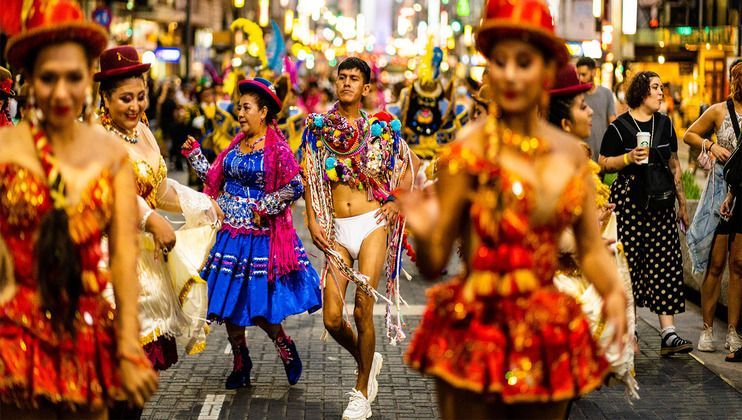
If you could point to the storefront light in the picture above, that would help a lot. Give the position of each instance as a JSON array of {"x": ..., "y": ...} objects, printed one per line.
[
  {"x": 456, "y": 26},
  {"x": 662, "y": 44},
  {"x": 661, "y": 59},
  {"x": 148, "y": 57},
  {"x": 417, "y": 7},
  {"x": 238, "y": 4},
  {"x": 236, "y": 62},
  {"x": 468, "y": 39},
  {"x": 240, "y": 49},
  {"x": 264, "y": 8},
  {"x": 592, "y": 49},
  {"x": 597, "y": 8},
  {"x": 337, "y": 42},
  {"x": 288, "y": 22},
  {"x": 629, "y": 17}
]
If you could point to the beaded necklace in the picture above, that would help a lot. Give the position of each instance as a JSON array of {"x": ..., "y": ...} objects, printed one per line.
[
  {"x": 345, "y": 144},
  {"x": 107, "y": 123}
]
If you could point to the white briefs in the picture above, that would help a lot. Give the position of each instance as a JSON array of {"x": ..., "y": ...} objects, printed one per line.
[{"x": 350, "y": 232}]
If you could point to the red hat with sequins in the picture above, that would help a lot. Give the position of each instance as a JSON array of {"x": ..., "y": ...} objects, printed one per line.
[
  {"x": 48, "y": 22},
  {"x": 120, "y": 62},
  {"x": 529, "y": 20}
]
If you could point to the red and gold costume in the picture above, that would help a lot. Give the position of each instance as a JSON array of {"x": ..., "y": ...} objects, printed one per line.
[
  {"x": 38, "y": 363},
  {"x": 501, "y": 327}
]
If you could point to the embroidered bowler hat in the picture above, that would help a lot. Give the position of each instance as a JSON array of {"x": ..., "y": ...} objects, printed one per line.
[
  {"x": 47, "y": 22},
  {"x": 120, "y": 62},
  {"x": 567, "y": 83},
  {"x": 263, "y": 88},
  {"x": 529, "y": 20}
]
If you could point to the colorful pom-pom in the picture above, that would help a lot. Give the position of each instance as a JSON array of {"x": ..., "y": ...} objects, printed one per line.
[
  {"x": 330, "y": 163},
  {"x": 332, "y": 174},
  {"x": 376, "y": 130},
  {"x": 396, "y": 125},
  {"x": 318, "y": 121}
]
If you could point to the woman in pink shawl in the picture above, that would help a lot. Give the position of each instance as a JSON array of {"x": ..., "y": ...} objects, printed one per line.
[{"x": 258, "y": 272}]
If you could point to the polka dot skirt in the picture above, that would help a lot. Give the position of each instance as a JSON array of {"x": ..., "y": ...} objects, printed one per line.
[{"x": 652, "y": 246}]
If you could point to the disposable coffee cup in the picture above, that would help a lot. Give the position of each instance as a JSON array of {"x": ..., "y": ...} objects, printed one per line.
[{"x": 642, "y": 139}]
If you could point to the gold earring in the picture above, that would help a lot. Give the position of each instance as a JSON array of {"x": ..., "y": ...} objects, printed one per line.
[
  {"x": 34, "y": 113},
  {"x": 88, "y": 112}
]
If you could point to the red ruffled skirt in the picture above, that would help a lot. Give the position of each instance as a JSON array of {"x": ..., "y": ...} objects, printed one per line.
[
  {"x": 532, "y": 347},
  {"x": 39, "y": 365}
]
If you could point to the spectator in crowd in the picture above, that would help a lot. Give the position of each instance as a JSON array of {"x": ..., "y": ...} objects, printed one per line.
[
  {"x": 710, "y": 237},
  {"x": 600, "y": 100},
  {"x": 646, "y": 211}
]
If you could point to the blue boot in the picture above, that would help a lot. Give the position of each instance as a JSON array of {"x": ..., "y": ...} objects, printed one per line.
[
  {"x": 289, "y": 356},
  {"x": 240, "y": 376}
]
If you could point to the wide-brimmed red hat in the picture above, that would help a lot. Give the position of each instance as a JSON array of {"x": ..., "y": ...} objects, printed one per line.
[
  {"x": 120, "y": 62},
  {"x": 529, "y": 20},
  {"x": 54, "y": 21},
  {"x": 567, "y": 83},
  {"x": 6, "y": 83},
  {"x": 264, "y": 88}
]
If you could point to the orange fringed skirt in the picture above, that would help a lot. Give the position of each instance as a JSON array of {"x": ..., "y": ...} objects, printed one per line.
[
  {"x": 532, "y": 347},
  {"x": 38, "y": 365}
]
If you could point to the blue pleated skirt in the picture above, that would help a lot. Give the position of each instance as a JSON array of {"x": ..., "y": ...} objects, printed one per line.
[{"x": 239, "y": 291}]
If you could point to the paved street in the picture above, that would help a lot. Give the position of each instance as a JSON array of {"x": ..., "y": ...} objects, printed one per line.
[{"x": 679, "y": 387}]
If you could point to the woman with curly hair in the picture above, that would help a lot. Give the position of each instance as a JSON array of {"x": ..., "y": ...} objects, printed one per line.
[{"x": 647, "y": 221}]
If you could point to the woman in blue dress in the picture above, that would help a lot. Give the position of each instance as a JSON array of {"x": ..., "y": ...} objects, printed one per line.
[{"x": 258, "y": 272}]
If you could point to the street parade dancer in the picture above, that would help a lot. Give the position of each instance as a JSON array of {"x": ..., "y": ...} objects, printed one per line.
[
  {"x": 569, "y": 111},
  {"x": 258, "y": 272},
  {"x": 353, "y": 165},
  {"x": 6, "y": 94},
  {"x": 429, "y": 112},
  {"x": 161, "y": 318},
  {"x": 500, "y": 339},
  {"x": 64, "y": 351}
]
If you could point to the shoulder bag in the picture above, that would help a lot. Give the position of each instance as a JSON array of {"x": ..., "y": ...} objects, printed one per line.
[
  {"x": 659, "y": 184},
  {"x": 733, "y": 166}
]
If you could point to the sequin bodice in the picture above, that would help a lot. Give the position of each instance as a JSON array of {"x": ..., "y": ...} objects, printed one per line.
[
  {"x": 514, "y": 254},
  {"x": 244, "y": 175},
  {"x": 148, "y": 179},
  {"x": 25, "y": 199}
]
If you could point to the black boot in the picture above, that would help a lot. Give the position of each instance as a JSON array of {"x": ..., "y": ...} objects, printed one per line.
[
  {"x": 289, "y": 356},
  {"x": 240, "y": 376}
]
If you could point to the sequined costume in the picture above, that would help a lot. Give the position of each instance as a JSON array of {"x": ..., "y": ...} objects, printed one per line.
[
  {"x": 570, "y": 280},
  {"x": 238, "y": 267},
  {"x": 161, "y": 317},
  {"x": 501, "y": 327},
  {"x": 375, "y": 161},
  {"x": 37, "y": 363}
]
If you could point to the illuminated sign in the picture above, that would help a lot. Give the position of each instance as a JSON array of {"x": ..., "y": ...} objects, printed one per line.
[{"x": 168, "y": 55}]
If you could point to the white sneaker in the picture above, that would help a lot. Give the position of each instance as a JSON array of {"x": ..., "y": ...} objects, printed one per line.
[
  {"x": 358, "y": 408},
  {"x": 706, "y": 340},
  {"x": 733, "y": 342},
  {"x": 373, "y": 383}
]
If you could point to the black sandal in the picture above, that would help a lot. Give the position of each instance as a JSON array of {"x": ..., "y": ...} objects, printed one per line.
[
  {"x": 674, "y": 344},
  {"x": 736, "y": 358}
]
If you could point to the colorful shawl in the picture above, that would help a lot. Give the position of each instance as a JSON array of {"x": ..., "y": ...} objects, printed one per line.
[{"x": 280, "y": 168}]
